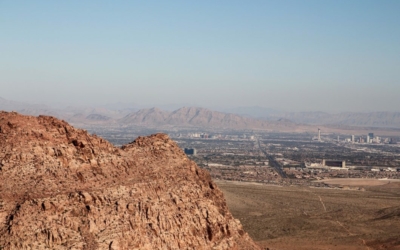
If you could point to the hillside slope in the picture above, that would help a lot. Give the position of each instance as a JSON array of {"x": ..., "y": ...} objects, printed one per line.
[{"x": 65, "y": 189}]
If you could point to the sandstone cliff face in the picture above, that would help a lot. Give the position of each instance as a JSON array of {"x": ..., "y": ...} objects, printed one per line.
[{"x": 62, "y": 188}]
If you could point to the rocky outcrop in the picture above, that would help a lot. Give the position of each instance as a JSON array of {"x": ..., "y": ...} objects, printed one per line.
[{"x": 62, "y": 188}]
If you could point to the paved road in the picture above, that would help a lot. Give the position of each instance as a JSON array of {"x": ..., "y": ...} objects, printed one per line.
[{"x": 272, "y": 162}]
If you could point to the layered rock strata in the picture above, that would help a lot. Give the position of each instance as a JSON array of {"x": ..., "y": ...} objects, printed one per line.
[{"x": 62, "y": 188}]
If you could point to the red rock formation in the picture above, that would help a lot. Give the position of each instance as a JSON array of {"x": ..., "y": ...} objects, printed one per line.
[{"x": 62, "y": 188}]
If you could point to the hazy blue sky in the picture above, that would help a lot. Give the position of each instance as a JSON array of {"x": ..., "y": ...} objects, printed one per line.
[{"x": 339, "y": 55}]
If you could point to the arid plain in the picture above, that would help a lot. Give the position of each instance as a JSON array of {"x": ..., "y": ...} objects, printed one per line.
[{"x": 294, "y": 217}]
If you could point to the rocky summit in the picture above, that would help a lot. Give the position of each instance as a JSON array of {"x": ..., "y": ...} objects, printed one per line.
[{"x": 62, "y": 188}]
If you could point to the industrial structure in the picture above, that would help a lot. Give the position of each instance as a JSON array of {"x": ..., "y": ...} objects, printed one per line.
[
  {"x": 190, "y": 151},
  {"x": 333, "y": 163},
  {"x": 328, "y": 164}
]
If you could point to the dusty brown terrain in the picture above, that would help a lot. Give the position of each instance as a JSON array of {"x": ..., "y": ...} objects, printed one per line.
[
  {"x": 62, "y": 188},
  {"x": 358, "y": 181},
  {"x": 317, "y": 218}
]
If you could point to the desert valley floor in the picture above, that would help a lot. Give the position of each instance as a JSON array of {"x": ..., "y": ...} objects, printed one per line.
[{"x": 294, "y": 217}]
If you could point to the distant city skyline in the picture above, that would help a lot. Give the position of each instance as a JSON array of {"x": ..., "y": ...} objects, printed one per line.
[{"x": 332, "y": 56}]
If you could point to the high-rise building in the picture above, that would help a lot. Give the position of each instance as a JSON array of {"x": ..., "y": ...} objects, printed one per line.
[
  {"x": 371, "y": 135},
  {"x": 319, "y": 134},
  {"x": 352, "y": 138},
  {"x": 368, "y": 140}
]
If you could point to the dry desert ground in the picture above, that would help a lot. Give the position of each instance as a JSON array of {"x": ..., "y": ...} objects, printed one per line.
[{"x": 295, "y": 217}]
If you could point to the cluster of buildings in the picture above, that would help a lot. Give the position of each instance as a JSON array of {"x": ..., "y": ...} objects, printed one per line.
[
  {"x": 370, "y": 138},
  {"x": 214, "y": 136},
  {"x": 237, "y": 157}
]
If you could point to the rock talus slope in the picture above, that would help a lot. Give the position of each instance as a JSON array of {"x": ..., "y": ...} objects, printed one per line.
[{"x": 62, "y": 188}]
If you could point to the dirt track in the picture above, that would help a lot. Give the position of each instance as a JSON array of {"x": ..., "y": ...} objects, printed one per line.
[{"x": 317, "y": 218}]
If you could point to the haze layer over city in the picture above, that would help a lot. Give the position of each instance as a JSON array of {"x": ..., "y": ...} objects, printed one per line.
[{"x": 200, "y": 125}]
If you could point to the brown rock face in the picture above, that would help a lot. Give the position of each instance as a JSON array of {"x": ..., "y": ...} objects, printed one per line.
[{"x": 62, "y": 188}]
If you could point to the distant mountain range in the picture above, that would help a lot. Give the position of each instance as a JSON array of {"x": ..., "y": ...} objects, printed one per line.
[
  {"x": 9, "y": 105},
  {"x": 201, "y": 118},
  {"x": 358, "y": 119},
  {"x": 256, "y": 118},
  {"x": 254, "y": 111}
]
